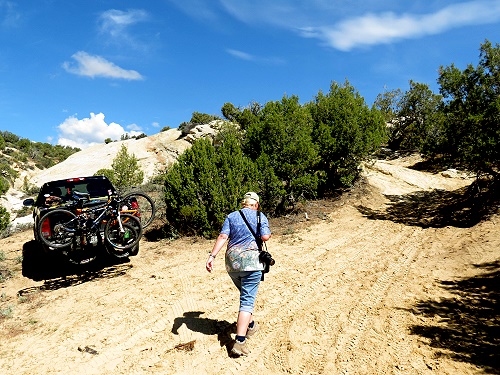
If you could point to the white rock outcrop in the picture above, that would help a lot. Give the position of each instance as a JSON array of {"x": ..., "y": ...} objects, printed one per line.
[{"x": 154, "y": 154}]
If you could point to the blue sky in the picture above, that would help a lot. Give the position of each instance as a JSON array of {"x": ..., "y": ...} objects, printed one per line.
[{"x": 80, "y": 71}]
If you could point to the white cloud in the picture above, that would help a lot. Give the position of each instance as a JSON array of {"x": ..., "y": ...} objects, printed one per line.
[
  {"x": 200, "y": 9},
  {"x": 341, "y": 25},
  {"x": 9, "y": 16},
  {"x": 90, "y": 131},
  {"x": 248, "y": 57},
  {"x": 372, "y": 29},
  {"x": 117, "y": 24},
  {"x": 134, "y": 128},
  {"x": 241, "y": 55},
  {"x": 96, "y": 66},
  {"x": 115, "y": 21}
]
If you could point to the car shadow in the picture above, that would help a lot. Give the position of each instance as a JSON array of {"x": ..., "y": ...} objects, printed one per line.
[
  {"x": 468, "y": 329},
  {"x": 57, "y": 272}
]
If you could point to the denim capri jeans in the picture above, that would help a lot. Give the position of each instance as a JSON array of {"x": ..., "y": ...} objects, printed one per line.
[{"x": 247, "y": 283}]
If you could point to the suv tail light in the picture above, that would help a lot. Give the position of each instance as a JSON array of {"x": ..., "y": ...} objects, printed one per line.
[
  {"x": 46, "y": 232},
  {"x": 134, "y": 205}
]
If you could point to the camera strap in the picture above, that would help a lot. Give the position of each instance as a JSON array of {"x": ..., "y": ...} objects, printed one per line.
[{"x": 258, "y": 240}]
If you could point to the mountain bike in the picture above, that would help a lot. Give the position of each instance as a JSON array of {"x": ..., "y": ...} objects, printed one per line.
[
  {"x": 136, "y": 203},
  {"x": 79, "y": 232},
  {"x": 139, "y": 204}
]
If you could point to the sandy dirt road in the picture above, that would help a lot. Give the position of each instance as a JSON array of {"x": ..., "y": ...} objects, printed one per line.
[{"x": 386, "y": 280}]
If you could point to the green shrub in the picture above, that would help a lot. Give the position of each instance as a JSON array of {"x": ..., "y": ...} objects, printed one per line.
[
  {"x": 299, "y": 152},
  {"x": 4, "y": 218},
  {"x": 6, "y": 312},
  {"x": 29, "y": 188},
  {"x": 4, "y": 185},
  {"x": 244, "y": 117},
  {"x": 202, "y": 118},
  {"x": 271, "y": 188},
  {"x": 414, "y": 116},
  {"x": 345, "y": 132},
  {"x": 8, "y": 173},
  {"x": 472, "y": 113},
  {"x": 109, "y": 173},
  {"x": 142, "y": 135},
  {"x": 206, "y": 183},
  {"x": 282, "y": 137},
  {"x": 125, "y": 171},
  {"x": 9, "y": 137}
]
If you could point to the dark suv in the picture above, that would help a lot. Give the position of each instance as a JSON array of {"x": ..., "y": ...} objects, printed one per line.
[{"x": 60, "y": 193}]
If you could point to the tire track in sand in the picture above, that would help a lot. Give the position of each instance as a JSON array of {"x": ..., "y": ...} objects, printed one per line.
[
  {"x": 345, "y": 356},
  {"x": 275, "y": 348},
  {"x": 120, "y": 347},
  {"x": 330, "y": 319}
]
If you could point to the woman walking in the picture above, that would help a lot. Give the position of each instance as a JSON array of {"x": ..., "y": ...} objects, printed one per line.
[{"x": 242, "y": 263}]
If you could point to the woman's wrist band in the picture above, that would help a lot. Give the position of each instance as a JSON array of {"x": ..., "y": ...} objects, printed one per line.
[{"x": 213, "y": 256}]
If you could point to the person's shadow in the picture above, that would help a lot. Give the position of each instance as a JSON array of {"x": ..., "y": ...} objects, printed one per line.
[{"x": 207, "y": 326}]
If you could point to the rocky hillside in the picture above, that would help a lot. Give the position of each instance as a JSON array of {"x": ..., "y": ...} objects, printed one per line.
[{"x": 154, "y": 153}]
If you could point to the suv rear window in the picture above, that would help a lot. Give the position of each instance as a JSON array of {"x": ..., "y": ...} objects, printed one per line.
[{"x": 95, "y": 186}]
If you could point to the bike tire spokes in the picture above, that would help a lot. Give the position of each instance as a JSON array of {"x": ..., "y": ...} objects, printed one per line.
[
  {"x": 122, "y": 237},
  {"x": 57, "y": 228}
]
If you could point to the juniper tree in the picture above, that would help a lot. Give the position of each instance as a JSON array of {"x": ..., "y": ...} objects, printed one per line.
[
  {"x": 206, "y": 183},
  {"x": 125, "y": 170},
  {"x": 345, "y": 132},
  {"x": 282, "y": 139},
  {"x": 472, "y": 112}
]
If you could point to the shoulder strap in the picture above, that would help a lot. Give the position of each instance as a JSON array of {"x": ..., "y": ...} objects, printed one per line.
[
  {"x": 256, "y": 236},
  {"x": 247, "y": 223}
]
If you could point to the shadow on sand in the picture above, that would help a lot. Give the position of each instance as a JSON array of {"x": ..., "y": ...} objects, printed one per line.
[
  {"x": 194, "y": 322},
  {"x": 469, "y": 321},
  {"x": 469, "y": 326},
  {"x": 57, "y": 272},
  {"x": 462, "y": 208}
]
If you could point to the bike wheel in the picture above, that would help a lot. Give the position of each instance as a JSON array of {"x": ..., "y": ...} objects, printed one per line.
[
  {"x": 140, "y": 205},
  {"x": 56, "y": 229},
  {"x": 123, "y": 238}
]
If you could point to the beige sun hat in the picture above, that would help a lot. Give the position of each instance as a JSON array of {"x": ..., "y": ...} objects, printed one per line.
[{"x": 252, "y": 195}]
